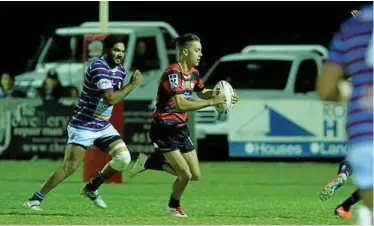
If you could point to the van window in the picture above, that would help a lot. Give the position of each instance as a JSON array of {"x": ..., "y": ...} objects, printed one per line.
[
  {"x": 146, "y": 55},
  {"x": 61, "y": 51},
  {"x": 170, "y": 46},
  {"x": 252, "y": 74},
  {"x": 306, "y": 77}
]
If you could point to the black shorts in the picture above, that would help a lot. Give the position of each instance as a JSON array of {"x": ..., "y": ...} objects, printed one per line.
[{"x": 167, "y": 139}]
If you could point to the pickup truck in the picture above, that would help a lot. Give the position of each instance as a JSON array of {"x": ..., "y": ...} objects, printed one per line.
[
  {"x": 259, "y": 72},
  {"x": 63, "y": 52}
]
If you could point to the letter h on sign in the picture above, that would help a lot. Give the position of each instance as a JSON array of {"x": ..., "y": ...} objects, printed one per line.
[{"x": 333, "y": 128}]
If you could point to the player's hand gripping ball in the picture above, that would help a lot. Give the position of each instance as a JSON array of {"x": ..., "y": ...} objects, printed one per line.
[{"x": 223, "y": 87}]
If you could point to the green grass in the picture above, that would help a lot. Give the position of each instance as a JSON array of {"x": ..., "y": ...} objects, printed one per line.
[{"x": 228, "y": 193}]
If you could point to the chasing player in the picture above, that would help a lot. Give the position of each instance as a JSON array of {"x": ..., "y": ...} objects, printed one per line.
[
  {"x": 344, "y": 171},
  {"x": 174, "y": 150},
  {"x": 89, "y": 125},
  {"x": 343, "y": 209},
  {"x": 351, "y": 53}
]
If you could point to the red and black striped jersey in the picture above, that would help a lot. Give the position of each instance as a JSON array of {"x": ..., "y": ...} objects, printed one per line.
[{"x": 173, "y": 81}]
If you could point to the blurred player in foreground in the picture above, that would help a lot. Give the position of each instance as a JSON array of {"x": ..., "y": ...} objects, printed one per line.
[
  {"x": 351, "y": 53},
  {"x": 89, "y": 125},
  {"x": 344, "y": 171},
  {"x": 343, "y": 209},
  {"x": 174, "y": 150}
]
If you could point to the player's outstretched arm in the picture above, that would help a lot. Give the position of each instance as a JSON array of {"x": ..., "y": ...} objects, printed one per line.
[
  {"x": 332, "y": 75},
  {"x": 205, "y": 94},
  {"x": 184, "y": 105},
  {"x": 328, "y": 82},
  {"x": 115, "y": 97}
]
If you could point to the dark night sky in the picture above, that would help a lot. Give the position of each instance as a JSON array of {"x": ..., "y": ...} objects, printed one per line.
[{"x": 259, "y": 23}]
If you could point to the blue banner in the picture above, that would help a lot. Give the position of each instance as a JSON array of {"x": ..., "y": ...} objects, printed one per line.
[{"x": 288, "y": 149}]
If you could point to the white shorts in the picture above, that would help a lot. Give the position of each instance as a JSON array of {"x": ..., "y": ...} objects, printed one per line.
[
  {"x": 360, "y": 156},
  {"x": 86, "y": 138}
]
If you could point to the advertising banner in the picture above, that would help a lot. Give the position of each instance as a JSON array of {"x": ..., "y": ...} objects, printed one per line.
[
  {"x": 288, "y": 128},
  {"x": 33, "y": 128}
]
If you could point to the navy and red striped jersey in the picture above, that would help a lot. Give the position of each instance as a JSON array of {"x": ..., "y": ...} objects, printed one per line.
[{"x": 173, "y": 82}]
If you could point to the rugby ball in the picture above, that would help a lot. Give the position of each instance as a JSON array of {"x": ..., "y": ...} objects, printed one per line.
[{"x": 226, "y": 89}]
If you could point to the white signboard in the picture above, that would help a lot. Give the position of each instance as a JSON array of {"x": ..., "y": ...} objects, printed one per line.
[{"x": 287, "y": 128}]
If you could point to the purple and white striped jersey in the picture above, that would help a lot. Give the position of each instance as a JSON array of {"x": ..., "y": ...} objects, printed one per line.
[
  {"x": 351, "y": 48},
  {"x": 92, "y": 112}
]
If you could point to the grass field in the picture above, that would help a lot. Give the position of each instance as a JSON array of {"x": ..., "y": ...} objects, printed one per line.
[{"x": 228, "y": 193}]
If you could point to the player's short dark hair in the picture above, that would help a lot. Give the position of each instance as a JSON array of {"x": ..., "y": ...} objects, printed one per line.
[
  {"x": 110, "y": 41},
  {"x": 185, "y": 39}
]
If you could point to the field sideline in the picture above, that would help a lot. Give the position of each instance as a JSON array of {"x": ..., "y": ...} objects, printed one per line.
[{"x": 228, "y": 193}]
